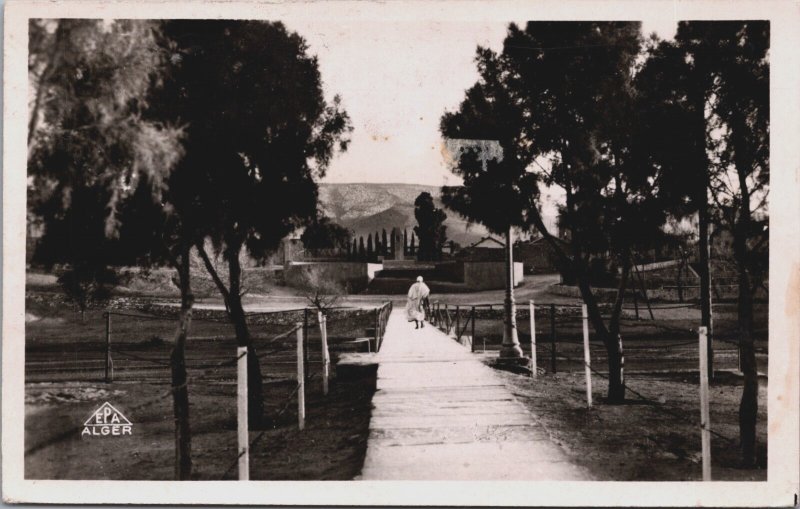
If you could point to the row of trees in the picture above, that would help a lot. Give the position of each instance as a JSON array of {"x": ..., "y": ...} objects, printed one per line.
[
  {"x": 323, "y": 234},
  {"x": 383, "y": 246},
  {"x": 430, "y": 228},
  {"x": 148, "y": 140},
  {"x": 634, "y": 132}
]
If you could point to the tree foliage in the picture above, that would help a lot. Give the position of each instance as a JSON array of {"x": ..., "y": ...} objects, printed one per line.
[
  {"x": 255, "y": 154},
  {"x": 259, "y": 131},
  {"x": 322, "y": 233},
  {"x": 708, "y": 94},
  {"x": 98, "y": 168},
  {"x": 430, "y": 229},
  {"x": 90, "y": 81},
  {"x": 559, "y": 100}
]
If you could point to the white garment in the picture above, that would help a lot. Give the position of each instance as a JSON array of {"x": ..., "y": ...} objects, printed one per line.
[{"x": 416, "y": 294}]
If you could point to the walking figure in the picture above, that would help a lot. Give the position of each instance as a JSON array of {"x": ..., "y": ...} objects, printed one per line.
[{"x": 417, "y": 294}]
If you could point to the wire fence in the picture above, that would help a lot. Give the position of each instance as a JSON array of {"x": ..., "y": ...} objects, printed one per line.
[
  {"x": 135, "y": 348},
  {"x": 667, "y": 343},
  {"x": 124, "y": 346}
]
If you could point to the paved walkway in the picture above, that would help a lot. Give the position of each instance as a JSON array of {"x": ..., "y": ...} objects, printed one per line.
[{"x": 440, "y": 414}]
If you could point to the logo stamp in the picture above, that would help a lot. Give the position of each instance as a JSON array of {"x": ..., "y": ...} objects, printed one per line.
[{"x": 106, "y": 421}]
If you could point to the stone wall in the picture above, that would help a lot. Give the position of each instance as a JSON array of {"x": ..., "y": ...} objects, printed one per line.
[
  {"x": 352, "y": 275},
  {"x": 489, "y": 275}
]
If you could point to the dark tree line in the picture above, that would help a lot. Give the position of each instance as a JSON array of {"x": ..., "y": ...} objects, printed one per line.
[
  {"x": 624, "y": 128},
  {"x": 203, "y": 134}
]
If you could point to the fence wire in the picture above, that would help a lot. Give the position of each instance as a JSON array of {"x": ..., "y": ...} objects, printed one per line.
[
  {"x": 136, "y": 349},
  {"x": 667, "y": 342}
]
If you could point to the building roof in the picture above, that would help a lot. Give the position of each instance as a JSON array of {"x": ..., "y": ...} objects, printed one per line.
[{"x": 489, "y": 242}]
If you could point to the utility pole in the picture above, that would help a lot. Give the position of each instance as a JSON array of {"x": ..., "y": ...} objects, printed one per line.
[
  {"x": 492, "y": 150},
  {"x": 511, "y": 347}
]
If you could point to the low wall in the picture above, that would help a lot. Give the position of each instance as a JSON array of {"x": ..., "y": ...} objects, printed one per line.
[
  {"x": 666, "y": 293},
  {"x": 489, "y": 275},
  {"x": 602, "y": 294},
  {"x": 353, "y": 275}
]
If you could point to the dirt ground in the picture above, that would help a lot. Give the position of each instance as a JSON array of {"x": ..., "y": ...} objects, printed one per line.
[
  {"x": 332, "y": 445},
  {"x": 643, "y": 441},
  {"x": 635, "y": 441}
]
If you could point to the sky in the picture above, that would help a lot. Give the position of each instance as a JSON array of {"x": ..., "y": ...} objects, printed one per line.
[{"x": 396, "y": 79}]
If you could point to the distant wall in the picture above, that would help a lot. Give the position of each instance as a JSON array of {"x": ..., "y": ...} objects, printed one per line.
[
  {"x": 450, "y": 271},
  {"x": 489, "y": 275},
  {"x": 372, "y": 268},
  {"x": 538, "y": 258},
  {"x": 354, "y": 275}
]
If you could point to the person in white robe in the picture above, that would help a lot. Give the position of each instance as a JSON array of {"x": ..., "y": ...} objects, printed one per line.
[{"x": 417, "y": 294}]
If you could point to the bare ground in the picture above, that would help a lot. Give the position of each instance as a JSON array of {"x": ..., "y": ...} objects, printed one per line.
[
  {"x": 639, "y": 440},
  {"x": 332, "y": 446}
]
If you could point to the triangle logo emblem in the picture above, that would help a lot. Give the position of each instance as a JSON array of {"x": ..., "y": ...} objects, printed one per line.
[{"x": 107, "y": 420}]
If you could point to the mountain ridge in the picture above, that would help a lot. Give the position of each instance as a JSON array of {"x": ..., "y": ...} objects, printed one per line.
[{"x": 366, "y": 208}]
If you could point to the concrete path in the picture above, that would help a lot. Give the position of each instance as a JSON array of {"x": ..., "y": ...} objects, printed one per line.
[{"x": 440, "y": 414}]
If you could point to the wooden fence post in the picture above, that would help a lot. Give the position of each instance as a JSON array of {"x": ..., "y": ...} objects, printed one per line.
[
  {"x": 553, "y": 337},
  {"x": 109, "y": 368},
  {"x": 301, "y": 380},
  {"x": 326, "y": 359},
  {"x": 739, "y": 358},
  {"x": 587, "y": 358},
  {"x": 241, "y": 407},
  {"x": 533, "y": 340},
  {"x": 458, "y": 323},
  {"x": 472, "y": 339},
  {"x": 377, "y": 327},
  {"x": 705, "y": 424},
  {"x": 305, "y": 341}
]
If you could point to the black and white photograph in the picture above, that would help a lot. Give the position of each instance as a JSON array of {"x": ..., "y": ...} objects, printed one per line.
[{"x": 271, "y": 244}]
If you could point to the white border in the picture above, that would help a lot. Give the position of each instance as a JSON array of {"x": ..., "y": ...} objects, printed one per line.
[{"x": 784, "y": 313}]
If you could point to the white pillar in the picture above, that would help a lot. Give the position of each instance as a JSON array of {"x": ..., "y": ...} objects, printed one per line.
[
  {"x": 241, "y": 406},
  {"x": 533, "y": 339},
  {"x": 301, "y": 383},
  {"x": 326, "y": 359},
  {"x": 705, "y": 422},
  {"x": 587, "y": 358}
]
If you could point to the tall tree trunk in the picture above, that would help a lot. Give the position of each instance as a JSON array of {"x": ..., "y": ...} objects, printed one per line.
[
  {"x": 510, "y": 346},
  {"x": 180, "y": 389},
  {"x": 748, "y": 407},
  {"x": 614, "y": 350},
  {"x": 613, "y": 345},
  {"x": 233, "y": 305},
  {"x": 255, "y": 391}
]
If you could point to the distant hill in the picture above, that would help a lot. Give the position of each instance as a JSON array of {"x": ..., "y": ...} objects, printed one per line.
[{"x": 366, "y": 208}]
